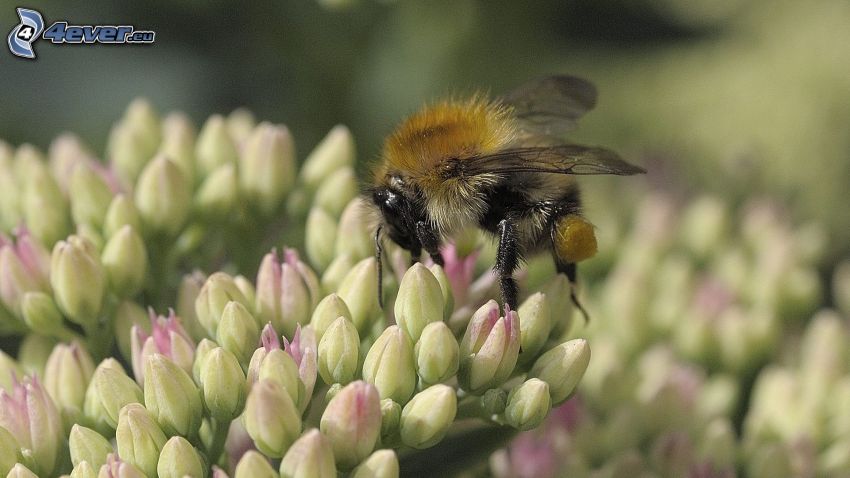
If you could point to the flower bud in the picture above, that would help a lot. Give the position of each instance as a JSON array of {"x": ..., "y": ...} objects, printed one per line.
[
  {"x": 562, "y": 368},
  {"x": 66, "y": 376},
  {"x": 528, "y": 404},
  {"x": 489, "y": 348},
  {"x": 336, "y": 271},
  {"x": 237, "y": 332},
  {"x": 128, "y": 151},
  {"x": 84, "y": 470},
  {"x": 339, "y": 352},
  {"x": 126, "y": 315},
  {"x": 333, "y": 153},
  {"x": 353, "y": 235},
  {"x": 219, "y": 193},
  {"x": 33, "y": 352},
  {"x": 279, "y": 366},
  {"x": 24, "y": 267},
  {"x": 419, "y": 301},
  {"x": 534, "y": 326},
  {"x": 381, "y": 464},
  {"x": 286, "y": 291},
  {"x": 310, "y": 456},
  {"x": 223, "y": 384},
  {"x": 163, "y": 197},
  {"x": 205, "y": 346},
  {"x": 41, "y": 314},
  {"x": 45, "y": 210},
  {"x": 445, "y": 288},
  {"x": 21, "y": 471},
  {"x": 271, "y": 418},
  {"x": 267, "y": 166},
  {"x": 167, "y": 338},
  {"x": 139, "y": 439},
  {"x": 437, "y": 353},
  {"x": 359, "y": 291},
  {"x": 327, "y": 311},
  {"x": 218, "y": 290},
  {"x": 179, "y": 458},
  {"x": 319, "y": 233},
  {"x": 10, "y": 451},
  {"x": 125, "y": 260},
  {"x": 172, "y": 397},
  {"x": 352, "y": 423},
  {"x": 336, "y": 191},
  {"x": 109, "y": 391},
  {"x": 116, "y": 468},
  {"x": 428, "y": 416},
  {"x": 240, "y": 124},
  {"x": 122, "y": 212},
  {"x": 178, "y": 143},
  {"x": 390, "y": 417},
  {"x": 254, "y": 465},
  {"x": 390, "y": 365},
  {"x": 78, "y": 279},
  {"x": 90, "y": 196},
  {"x": 28, "y": 413},
  {"x": 215, "y": 147},
  {"x": 187, "y": 293},
  {"x": 89, "y": 446},
  {"x": 560, "y": 305},
  {"x": 143, "y": 118}
]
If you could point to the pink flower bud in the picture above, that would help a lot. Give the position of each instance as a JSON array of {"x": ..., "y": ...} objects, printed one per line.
[
  {"x": 167, "y": 337},
  {"x": 29, "y": 414},
  {"x": 24, "y": 267}
]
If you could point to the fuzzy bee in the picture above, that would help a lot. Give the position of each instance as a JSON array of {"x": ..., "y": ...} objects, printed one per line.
[{"x": 500, "y": 165}]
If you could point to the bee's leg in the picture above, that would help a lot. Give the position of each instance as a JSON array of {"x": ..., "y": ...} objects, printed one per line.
[
  {"x": 507, "y": 259},
  {"x": 430, "y": 241},
  {"x": 570, "y": 269},
  {"x": 379, "y": 252},
  {"x": 415, "y": 254}
]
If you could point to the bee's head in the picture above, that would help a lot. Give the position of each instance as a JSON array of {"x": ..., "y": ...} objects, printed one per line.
[{"x": 399, "y": 213}]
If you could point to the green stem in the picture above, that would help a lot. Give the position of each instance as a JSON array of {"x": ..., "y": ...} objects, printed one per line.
[{"x": 218, "y": 441}]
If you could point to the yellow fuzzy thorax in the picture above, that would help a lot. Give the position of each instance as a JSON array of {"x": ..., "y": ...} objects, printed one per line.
[{"x": 445, "y": 130}]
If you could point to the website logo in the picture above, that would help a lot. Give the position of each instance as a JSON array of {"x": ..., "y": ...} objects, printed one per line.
[{"x": 31, "y": 28}]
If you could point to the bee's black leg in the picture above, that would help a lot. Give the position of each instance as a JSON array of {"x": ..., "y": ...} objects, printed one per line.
[
  {"x": 379, "y": 252},
  {"x": 430, "y": 241},
  {"x": 570, "y": 269},
  {"x": 507, "y": 260}
]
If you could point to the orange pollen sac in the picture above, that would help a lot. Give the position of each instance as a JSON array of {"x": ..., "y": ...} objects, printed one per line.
[{"x": 575, "y": 240}]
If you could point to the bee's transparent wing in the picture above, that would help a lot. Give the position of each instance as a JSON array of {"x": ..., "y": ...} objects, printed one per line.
[
  {"x": 550, "y": 106},
  {"x": 558, "y": 159}
]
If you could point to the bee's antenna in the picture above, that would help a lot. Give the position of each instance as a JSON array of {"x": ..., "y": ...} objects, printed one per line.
[
  {"x": 578, "y": 305},
  {"x": 379, "y": 249}
]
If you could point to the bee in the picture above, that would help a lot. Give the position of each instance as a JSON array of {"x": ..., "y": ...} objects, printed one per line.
[{"x": 501, "y": 165}]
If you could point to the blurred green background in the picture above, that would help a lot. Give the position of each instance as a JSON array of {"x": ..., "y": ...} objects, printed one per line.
[{"x": 737, "y": 97}]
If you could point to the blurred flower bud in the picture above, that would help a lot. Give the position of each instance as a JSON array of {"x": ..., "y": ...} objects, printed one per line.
[
  {"x": 21, "y": 471},
  {"x": 489, "y": 348},
  {"x": 428, "y": 416},
  {"x": 390, "y": 365},
  {"x": 24, "y": 267},
  {"x": 419, "y": 301},
  {"x": 179, "y": 458},
  {"x": 437, "y": 353},
  {"x": 327, "y": 311},
  {"x": 178, "y": 143},
  {"x": 218, "y": 290},
  {"x": 10, "y": 192},
  {"x": 139, "y": 439},
  {"x": 446, "y": 288},
  {"x": 128, "y": 151},
  {"x": 528, "y": 404},
  {"x": 390, "y": 418},
  {"x": 223, "y": 384},
  {"x": 352, "y": 423},
  {"x": 339, "y": 352},
  {"x": 33, "y": 352},
  {"x": 143, "y": 117},
  {"x": 44, "y": 209},
  {"x": 562, "y": 368},
  {"x": 286, "y": 291},
  {"x": 770, "y": 460},
  {"x": 78, "y": 279},
  {"x": 310, "y": 456},
  {"x": 359, "y": 291},
  {"x": 125, "y": 260},
  {"x": 336, "y": 191},
  {"x": 267, "y": 166},
  {"x": 381, "y": 464},
  {"x": 121, "y": 212},
  {"x": 333, "y": 153},
  {"x": 535, "y": 323},
  {"x": 219, "y": 193},
  {"x": 215, "y": 147},
  {"x": 126, "y": 315},
  {"x": 10, "y": 451},
  {"x": 88, "y": 445},
  {"x": 240, "y": 124},
  {"x": 167, "y": 337},
  {"x": 336, "y": 271},
  {"x": 9, "y": 370},
  {"x": 84, "y": 470},
  {"x": 90, "y": 196},
  {"x": 271, "y": 418},
  {"x": 110, "y": 389},
  {"x": 187, "y": 293},
  {"x": 116, "y": 468},
  {"x": 89, "y": 233},
  {"x": 353, "y": 235},
  {"x": 254, "y": 465},
  {"x": 28, "y": 413},
  {"x": 278, "y": 366},
  {"x": 172, "y": 397},
  {"x": 66, "y": 377},
  {"x": 320, "y": 231},
  {"x": 163, "y": 197},
  {"x": 41, "y": 315},
  {"x": 561, "y": 308}
]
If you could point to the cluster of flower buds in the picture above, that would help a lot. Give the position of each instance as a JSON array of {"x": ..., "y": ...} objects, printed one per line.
[{"x": 298, "y": 373}]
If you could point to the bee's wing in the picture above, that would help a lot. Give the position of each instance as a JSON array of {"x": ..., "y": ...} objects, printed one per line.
[
  {"x": 550, "y": 106},
  {"x": 558, "y": 159}
]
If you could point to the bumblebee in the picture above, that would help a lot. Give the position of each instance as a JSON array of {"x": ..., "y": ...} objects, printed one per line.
[{"x": 501, "y": 165}]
